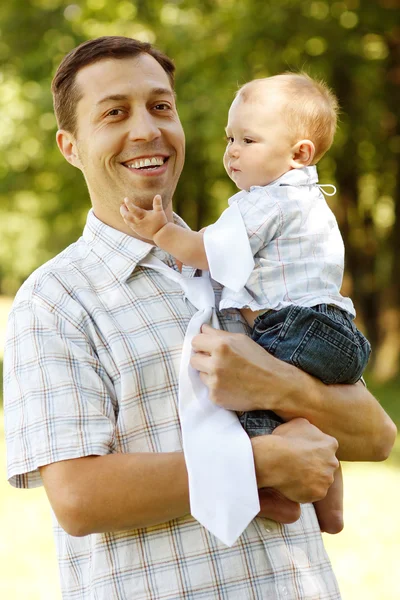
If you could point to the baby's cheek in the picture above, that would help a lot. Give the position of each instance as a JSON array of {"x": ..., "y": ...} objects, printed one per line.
[{"x": 225, "y": 161}]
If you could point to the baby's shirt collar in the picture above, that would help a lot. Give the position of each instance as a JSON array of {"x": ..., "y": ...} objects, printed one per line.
[{"x": 304, "y": 176}]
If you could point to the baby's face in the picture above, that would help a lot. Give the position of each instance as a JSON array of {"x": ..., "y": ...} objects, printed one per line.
[{"x": 259, "y": 147}]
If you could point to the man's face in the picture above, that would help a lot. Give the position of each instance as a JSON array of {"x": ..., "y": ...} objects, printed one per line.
[
  {"x": 129, "y": 140},
  {"x": 259, "y": 148}
]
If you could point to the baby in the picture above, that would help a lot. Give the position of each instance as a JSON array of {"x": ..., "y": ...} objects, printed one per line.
[{"x": 277, "y": 249}]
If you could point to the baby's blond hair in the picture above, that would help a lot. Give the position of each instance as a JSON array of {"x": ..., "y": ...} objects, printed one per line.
[{"x": 310, "y": 108}]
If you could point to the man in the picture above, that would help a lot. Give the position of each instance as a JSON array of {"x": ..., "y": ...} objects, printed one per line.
[{"x": 91, "y": 364}]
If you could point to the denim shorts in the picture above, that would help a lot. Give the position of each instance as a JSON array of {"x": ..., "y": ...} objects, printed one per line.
[
  {"x": 321, "y": 340},
  {"x": 259, "y": 422}
]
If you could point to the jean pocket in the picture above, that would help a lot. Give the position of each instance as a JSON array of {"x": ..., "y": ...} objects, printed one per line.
[
  {"x": 267, "y": 336},
  {"x": 326, "y": 353}
]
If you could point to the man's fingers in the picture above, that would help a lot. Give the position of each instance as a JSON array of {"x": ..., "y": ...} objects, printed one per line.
[
  {"x": 201, "y": 362},
  {"x": 157, "y": 203},
  {"x": 205, "y": 341},
  {"x": 211, "y": 331},
  {"x": 274, "y": 505},
  {"x": 205, "y": 378}
]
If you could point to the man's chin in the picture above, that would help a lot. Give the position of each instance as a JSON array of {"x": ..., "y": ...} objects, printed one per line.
[
  {"x": 146, "y": 200},
  {"x": 146, "y": 203}
]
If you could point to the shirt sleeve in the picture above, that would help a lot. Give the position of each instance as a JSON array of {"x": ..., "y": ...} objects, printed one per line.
[{"x": 58, "y": 400}]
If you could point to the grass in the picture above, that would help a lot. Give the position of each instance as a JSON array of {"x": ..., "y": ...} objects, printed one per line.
[{"x": 364, "y": 555}]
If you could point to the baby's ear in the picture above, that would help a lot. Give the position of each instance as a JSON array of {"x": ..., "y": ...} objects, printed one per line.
[{"x": 303, "y": 153}]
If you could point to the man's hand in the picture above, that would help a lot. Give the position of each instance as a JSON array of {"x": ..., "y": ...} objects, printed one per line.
[
  {"x": 145, "y": 223},
  {"x": 297, "y": 459},
  {"x": 330, "y": 509},
  {"x": 243, "y": 376},
  {"x": 240, "y": 374},
  {"x": 277, "y": 507}
]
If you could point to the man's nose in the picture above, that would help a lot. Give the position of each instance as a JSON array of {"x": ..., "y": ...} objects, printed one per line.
[{"x": 143, "y": 127}]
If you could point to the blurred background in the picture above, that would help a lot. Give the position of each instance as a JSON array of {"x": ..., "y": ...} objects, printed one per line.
[{"x": 218, "y": 45}]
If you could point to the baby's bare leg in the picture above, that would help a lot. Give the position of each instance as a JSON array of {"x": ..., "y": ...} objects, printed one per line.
[{"x": 330, "y": 509}]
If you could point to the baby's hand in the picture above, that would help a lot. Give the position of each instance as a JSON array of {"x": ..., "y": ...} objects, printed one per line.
[{"x": 145, "y": 223}]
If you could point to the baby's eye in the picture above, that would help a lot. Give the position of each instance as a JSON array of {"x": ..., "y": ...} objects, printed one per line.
[
  {"x": 248, "y": 141},
  {"x": 229, "y": 139}
]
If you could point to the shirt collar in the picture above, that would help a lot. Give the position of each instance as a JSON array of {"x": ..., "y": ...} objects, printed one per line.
[
  {"x": 304, "y": 176},
  {"x": 120, "y": 251}
]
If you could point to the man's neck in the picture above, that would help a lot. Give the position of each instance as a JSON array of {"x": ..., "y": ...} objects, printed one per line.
[{"x": 113, "y": 219}]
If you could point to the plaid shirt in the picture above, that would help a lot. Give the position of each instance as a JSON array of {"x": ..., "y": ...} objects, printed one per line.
[
  {"x": 91, "y": 368},
  {"x": 296, "y": 243}
]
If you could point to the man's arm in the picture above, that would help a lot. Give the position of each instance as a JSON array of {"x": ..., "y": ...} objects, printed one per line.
[
  {"x": 243, "y": 376},
  {"x": 185, "y": 245},
  {"x": 114, "y": 492},
  {"x": 95, "y": 494}
]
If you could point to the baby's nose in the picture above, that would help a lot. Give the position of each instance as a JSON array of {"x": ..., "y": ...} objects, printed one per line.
[{"x": 233, "y": 150}]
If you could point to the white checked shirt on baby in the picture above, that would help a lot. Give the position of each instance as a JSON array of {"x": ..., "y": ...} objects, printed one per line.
[
  {"x": 91, "y": 368},
  {"x": 296, "y": 243}
]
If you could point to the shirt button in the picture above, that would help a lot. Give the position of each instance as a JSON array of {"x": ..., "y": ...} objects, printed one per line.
[
  {"x": 284, "y": 591},
  {"x": 269, "y": 526}
]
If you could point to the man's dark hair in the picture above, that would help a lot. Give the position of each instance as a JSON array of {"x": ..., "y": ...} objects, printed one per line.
[{"x": 66, "y": 93}]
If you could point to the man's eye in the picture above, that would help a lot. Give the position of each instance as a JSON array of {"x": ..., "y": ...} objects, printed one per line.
[
  {"x": 162, "y": 106},
  {"x": 115, "y": 112}
]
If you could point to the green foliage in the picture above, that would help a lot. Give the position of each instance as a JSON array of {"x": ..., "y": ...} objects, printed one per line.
[
  {"x": 217, "y": 45},
  {"x": 388, "y": 395}
]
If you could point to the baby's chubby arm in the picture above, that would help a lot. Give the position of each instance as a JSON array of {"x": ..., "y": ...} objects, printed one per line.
[{"x": 185, "y": 245}]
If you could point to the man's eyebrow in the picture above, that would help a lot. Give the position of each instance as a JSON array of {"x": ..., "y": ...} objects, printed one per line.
[
  {"x": 163, "y": 92},
  {"x": 117, "y": 97},
  {"x": 112, "y": 97}
]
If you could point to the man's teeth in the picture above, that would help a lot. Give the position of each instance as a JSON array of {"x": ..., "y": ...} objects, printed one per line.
[{"x": 156, "y": 161}]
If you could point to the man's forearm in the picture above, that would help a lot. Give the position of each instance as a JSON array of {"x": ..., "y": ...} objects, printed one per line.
[
  {"x": 241, "y": 376},
  {"x": 347, "y": 412},
  {"x": 96, "y": 494},
  {"x": 116, "y": 492}
]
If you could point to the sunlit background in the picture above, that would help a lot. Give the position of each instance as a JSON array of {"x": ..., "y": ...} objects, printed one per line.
[{"x": 217, "y": 45}]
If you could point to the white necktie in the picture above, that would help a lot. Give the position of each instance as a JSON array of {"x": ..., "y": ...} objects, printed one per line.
[{"x": 218, "y": 453}]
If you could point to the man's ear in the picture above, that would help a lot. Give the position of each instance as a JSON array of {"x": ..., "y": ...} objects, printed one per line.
[
  {"x": 67, "y": 145},
  {"x": 302, "y": 154}
]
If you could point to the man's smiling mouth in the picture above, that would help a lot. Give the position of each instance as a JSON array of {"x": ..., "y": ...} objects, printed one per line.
[{"x": 146, "y": 163}]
